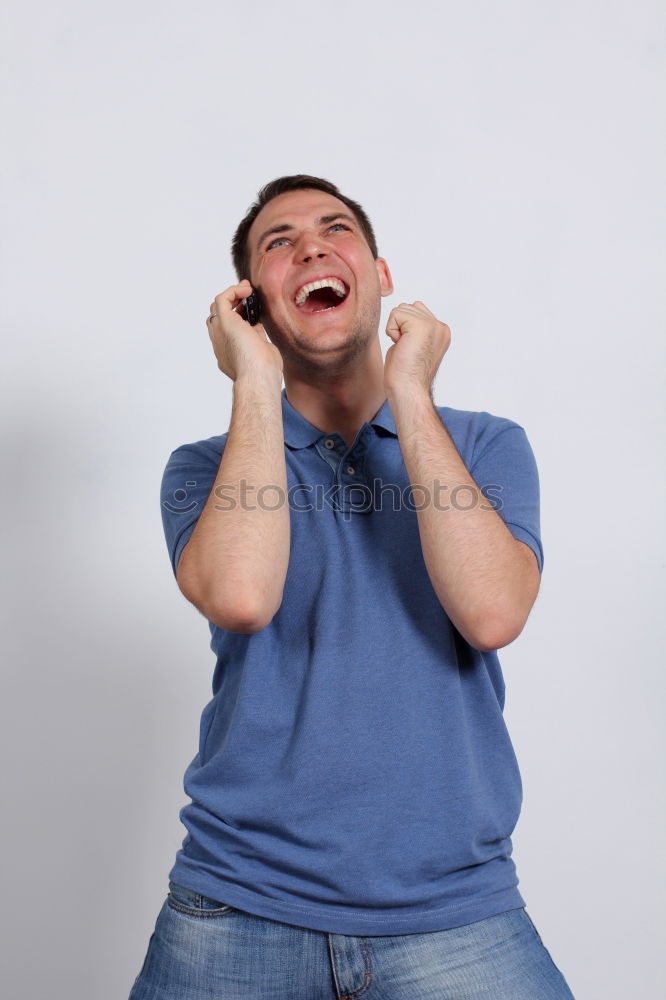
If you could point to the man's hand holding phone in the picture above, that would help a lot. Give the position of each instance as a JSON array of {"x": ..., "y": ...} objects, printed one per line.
[{"x": 239, "y": 347}]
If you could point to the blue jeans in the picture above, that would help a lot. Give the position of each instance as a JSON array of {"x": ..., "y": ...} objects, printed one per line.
[{"x": 203, "y": 950}]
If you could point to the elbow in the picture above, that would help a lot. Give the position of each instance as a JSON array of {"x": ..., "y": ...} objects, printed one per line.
[
  {"x": 493, "y": 631},
  {"x": 501, "y": 622},
  {"x": 490, "y": 641},
  {"x": 232, "y": 615},
  {"x": 231, "y": 612},
  {"x": 245, "y": 619}
]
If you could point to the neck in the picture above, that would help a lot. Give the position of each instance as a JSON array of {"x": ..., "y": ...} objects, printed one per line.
[{"x": 341, "y": 402}]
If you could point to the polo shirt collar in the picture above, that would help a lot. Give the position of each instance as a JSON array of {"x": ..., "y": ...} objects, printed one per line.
[{"x": 300, "y": 433}]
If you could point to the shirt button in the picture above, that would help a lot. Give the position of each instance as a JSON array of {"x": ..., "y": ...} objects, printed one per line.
[
  {"x": 351, "y": 470},
  {"x": 329, "y": 443}
]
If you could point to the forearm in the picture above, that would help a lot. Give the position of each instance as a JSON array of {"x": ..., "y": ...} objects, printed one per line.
[
  {"x": 479, "y": 571},
  {"x": 235, "y": 564}
]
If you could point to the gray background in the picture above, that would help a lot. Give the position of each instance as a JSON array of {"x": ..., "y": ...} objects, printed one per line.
[{"x": 512, "y": 159}]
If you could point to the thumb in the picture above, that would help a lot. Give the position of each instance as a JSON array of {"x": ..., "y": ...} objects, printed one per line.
[{"x": 393, "y": 326}]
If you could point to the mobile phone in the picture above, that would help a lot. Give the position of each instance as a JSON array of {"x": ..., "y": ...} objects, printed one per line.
[{"x": 252, "y": 308}]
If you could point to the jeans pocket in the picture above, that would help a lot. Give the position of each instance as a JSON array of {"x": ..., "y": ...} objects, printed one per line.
[{"x": 195, "y": 904}]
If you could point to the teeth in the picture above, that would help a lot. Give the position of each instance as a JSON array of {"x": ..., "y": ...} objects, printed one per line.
[{"x": 333, "y": 283}]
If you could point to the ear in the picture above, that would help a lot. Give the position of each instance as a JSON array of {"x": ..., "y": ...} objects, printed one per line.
[{"x": 385, "y": 279}]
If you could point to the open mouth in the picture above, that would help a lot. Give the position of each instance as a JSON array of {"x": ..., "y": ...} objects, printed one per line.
[{"x": 321, "y": 296}]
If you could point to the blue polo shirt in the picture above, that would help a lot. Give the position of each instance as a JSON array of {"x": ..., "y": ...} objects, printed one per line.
[{"x": 354, "y": 772}]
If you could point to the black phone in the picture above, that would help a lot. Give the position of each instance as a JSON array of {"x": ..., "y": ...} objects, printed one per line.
[{"x": 252, "y": 308}]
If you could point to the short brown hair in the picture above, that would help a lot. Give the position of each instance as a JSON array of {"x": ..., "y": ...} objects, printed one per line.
[{"x": 281, "y": 185}]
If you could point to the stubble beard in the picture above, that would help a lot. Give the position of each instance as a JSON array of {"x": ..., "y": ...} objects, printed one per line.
[{"x": 321, "y": 364}]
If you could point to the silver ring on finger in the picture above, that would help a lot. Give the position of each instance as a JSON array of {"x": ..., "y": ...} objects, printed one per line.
[{"x": 212, "y": 316}]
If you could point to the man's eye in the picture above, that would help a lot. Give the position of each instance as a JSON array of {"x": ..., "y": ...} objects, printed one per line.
[
  {"x": 274, "y": 243},
  {"x": 281, "y": 240}
]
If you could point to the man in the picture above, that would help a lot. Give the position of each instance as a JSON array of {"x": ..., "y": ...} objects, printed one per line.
[{"x": 360, "y": 555}]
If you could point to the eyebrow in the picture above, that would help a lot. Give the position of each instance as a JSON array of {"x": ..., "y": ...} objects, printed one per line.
[{"x": 286, "y": 227}]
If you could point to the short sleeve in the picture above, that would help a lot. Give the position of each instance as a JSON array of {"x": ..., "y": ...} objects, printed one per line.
[
  {"x": 506, "y": 473},
  {"x": 188, "y": 478}
]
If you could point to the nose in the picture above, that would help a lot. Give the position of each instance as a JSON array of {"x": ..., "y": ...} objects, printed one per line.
[{"x": 310, "y": 247}]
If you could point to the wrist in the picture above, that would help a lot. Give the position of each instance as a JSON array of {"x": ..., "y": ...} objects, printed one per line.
[
  {"x": 408, "y": 393},
  {"x": 260, "y": 376}
]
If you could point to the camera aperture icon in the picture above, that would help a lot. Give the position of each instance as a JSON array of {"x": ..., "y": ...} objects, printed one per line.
[{"x": 180, "y": 496}]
